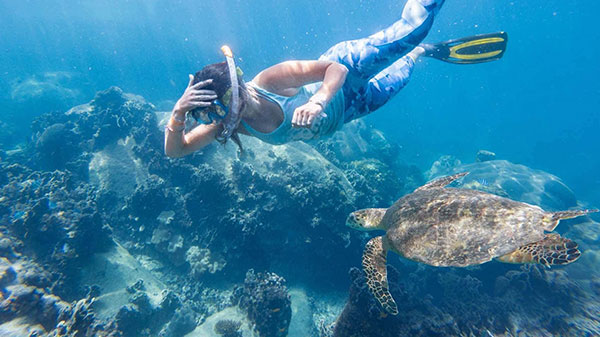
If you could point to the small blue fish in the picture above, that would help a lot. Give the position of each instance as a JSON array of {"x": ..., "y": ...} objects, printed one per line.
[
  {"x": 51, "y": 205},
  {"x": 36, "y": 183},
  {"x": 18, "y": 215}
]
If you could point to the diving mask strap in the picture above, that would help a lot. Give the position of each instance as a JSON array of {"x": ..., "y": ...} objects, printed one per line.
[{"x": 234, "y": 106}]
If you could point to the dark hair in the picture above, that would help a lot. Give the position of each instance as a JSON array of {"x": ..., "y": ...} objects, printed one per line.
[{"x": 219, "y": 73}]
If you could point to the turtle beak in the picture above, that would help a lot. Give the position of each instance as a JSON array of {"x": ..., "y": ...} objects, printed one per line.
[{"x": 353, "y": 222}]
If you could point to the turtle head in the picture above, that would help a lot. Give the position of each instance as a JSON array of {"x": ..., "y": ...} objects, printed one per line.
[{"x": 366, "y": 219}]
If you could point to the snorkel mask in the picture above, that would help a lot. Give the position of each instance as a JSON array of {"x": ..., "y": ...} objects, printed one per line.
[
  {"x": 227, "y": 109},
  {"x": 214, "y": 113}
]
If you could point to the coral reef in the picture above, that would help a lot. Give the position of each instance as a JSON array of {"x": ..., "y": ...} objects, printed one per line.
[
  {"x": 201, "y": 261},
  {"x": 22, "y": 301},
  {"x": 529, "y": 301},
  {"x": 101, "y": 234},
  {"x": 141, "y": 317},
  {"x": 7, "y": 136},
  {"x": 362, "y": 315},
  {"x": 370, "y": 162},
  {"x": 491, "y": 299},
  {"x": 101, "y": 163},
  {"x": 67, "y": 140},
  {"x": 442, "y": 166},
  {"x": 485, "y": 155},
  {"x": 228, "y": 328},
  {"x": 266, "y": 300},
  {"x": 510, "y": 180},
  {"x": 52, "y": 89},
  {"x": 288, "y": 193},
  {"x": 50, "y": 217},
  {"x": 32, "y": 95}
]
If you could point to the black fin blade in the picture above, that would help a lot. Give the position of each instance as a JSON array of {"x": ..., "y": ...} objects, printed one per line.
[{"x": 470, "y": 50}]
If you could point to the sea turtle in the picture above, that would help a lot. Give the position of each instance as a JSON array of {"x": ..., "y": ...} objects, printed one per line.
[{"x": 442, "y": 226}]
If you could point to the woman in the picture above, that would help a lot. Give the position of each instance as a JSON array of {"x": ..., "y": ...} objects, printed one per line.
[{"x": 305, "y": 100}]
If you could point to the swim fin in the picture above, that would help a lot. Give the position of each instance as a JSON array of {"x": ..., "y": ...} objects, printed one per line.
[{"x": 469, "y": 50}]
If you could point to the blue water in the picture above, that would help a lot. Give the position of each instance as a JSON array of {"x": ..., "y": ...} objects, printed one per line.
[{"x": 537, "y": 106}]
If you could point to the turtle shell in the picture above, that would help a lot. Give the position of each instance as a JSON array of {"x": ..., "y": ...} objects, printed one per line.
[{"x": 460, "y": 227}]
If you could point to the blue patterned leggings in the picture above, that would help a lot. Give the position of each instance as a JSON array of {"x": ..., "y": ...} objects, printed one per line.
[{"x": 378, "y": 65}]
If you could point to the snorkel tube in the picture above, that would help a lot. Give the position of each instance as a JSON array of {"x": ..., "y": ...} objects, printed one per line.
[{"x": 233, "y": 117}]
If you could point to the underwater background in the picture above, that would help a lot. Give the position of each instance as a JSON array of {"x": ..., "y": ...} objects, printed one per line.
[{"x": 101, "y": 234}]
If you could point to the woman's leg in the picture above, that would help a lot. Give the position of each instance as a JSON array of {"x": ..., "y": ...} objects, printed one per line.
[
  {"x": 382, "y": 87},
  {"x": 366, "y": 57}
]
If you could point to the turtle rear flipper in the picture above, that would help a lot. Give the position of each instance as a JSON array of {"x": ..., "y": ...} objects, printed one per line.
[
  {"x": 374, "y": 264},
  {"x": 552, "y": 250},
  {"x": 552, "y": 219}
]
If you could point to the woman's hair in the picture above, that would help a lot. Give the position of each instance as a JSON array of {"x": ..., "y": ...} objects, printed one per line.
[{"x": 219, "y": 73}]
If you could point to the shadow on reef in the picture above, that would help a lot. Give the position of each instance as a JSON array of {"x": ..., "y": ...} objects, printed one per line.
[{"x": 101, "y": 234}]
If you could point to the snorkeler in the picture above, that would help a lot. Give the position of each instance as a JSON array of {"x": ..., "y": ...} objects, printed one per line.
[{"x": 306, "y": 100}]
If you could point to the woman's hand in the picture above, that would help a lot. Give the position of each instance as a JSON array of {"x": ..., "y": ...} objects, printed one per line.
[
  {"x": 194, "y": 97},
  {"x": 305, "y": 115}
]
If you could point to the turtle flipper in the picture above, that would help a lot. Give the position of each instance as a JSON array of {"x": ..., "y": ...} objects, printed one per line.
[
  {"x": 374, "y": 264},
  {"x": 441, "y": 182},
  {"x": 552, "y": 219},
  {"x": 552, "y": 250}
]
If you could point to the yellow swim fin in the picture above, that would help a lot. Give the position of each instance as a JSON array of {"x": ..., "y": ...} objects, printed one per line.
[{"x": 469, "y": 50}]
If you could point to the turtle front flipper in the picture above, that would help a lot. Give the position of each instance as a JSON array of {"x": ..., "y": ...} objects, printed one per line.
[
  {"x": 442, "y": 182},
  {"x": 552, "y": 250},
  {"x": 374, "y": 264}
]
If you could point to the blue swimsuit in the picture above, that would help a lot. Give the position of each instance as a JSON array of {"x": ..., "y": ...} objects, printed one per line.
[
  {"x": 327, "y": 124},
  {"x": 378, "y": 68}
]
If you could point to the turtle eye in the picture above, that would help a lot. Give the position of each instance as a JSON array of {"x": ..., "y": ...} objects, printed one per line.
[{"x": 353, "y": 221}]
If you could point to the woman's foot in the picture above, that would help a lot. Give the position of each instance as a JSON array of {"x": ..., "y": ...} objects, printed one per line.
[{"x": 416, "y": 53}]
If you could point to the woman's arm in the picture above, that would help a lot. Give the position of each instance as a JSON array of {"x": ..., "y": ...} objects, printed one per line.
[
  {"x": 177, "y": 142},
  {"x": 285, "y": 79},
  {"x": 284, "y": 76}
]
